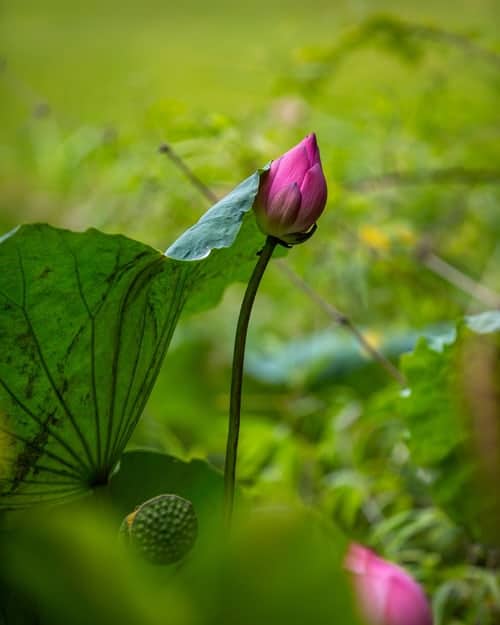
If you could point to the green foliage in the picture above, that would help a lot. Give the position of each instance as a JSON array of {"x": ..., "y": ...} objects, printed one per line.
[
  {"x": 445, "y": 411},
  {"x": 56, "y": 563},
  {"x": 219, "y": 227},
  {"x": 404, "y": 100},
  {"x": 85, "y": 322},
  {"x": 145, "y": 474}
]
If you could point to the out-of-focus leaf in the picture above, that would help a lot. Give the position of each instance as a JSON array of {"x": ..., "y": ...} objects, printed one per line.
[
  {"x": 70, "y": 562},
  {"x": 303, "y": 581},
  {"x": 330, "y": 354},
  {"x": 452, "y": 416},
  {"x": 485, "y": 323},
  {"x": 145, "y": 474},
  {"x": 71, "y": 566}
]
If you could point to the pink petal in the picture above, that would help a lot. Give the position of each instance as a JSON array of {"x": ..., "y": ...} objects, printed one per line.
[
  {"x": 284, "y": 206},
  {"x": 279, "y": 216},
  {"x": 312, "y": 149},
  {"x": 314, "y": 194},
  {"x": 292, "y": 167},
  {"x": 406, "y": 602},
  {"x": 357, "y": 558},
  {"x": 386, "y": 593}
]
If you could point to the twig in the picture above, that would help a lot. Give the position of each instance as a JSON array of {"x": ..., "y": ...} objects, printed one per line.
[
  {"x": 343, "y": 320},
  {"x": 37, "y": 105},
  {"x": 165, "y": 148},
  {"x": 462, "y": 42},
  {"x": 459, "y": 279},
  {"x": 450, "y": 175},
  {"x": 390, "y": 33},
  {"x": 395, "y": 28},
  {"x": 330, "y": 310},
  {"x": 442, "y": 268}
]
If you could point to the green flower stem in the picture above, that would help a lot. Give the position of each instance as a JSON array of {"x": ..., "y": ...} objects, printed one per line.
[{"x": 237, "y": 374}]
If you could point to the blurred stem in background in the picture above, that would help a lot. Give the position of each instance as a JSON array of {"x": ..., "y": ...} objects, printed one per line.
[{"x": 237, "y": 373}]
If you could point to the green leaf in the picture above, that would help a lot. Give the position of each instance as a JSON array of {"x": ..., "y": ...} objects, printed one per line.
[
  {"x": 453, "y": 423},
  {"x": 144, "y": 474},
  {"x": 485, "y": 323},
  {"x": 430, "y": 412},
  {"x": 85, "y": 322},
  {"x": 219, "y": 226}
]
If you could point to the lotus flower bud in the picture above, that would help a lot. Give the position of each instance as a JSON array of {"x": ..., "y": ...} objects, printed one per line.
[
  {"x": 292, "y": 194},
  {"x": 386, "y": 594}
]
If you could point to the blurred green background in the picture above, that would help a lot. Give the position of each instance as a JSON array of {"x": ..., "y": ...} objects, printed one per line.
[{"x": 404, "y": 98}]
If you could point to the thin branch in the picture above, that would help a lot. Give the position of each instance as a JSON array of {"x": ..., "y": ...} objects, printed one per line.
[
  {"x": 166, "y": 149},
  {"x": 459, "y": 279},
  {"x": 395, "y": 36},
  {"x": 394, "y": 29},
  {"x": 462, "y": 42},
  {"x": 343, "y": 320},
  {"x": 450, "y": 175},
  {"x": 330, "y": 310},
  {"x": 37, "y": 105},
  {"x": 442, "y": 268}
]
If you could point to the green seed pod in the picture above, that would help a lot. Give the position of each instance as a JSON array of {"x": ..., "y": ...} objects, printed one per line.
[{"x": 162, "y": 529}]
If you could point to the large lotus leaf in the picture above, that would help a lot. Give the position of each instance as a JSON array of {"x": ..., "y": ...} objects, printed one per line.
[{"x": 85, "y": 321}]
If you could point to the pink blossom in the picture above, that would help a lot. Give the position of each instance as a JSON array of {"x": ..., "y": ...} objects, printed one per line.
[
  {"x": 386, "y": 594},
  {"x": 293, "y": 193}
]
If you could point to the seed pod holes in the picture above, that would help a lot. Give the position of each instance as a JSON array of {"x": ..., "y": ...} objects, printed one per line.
[{"x": 162, "y": 529}]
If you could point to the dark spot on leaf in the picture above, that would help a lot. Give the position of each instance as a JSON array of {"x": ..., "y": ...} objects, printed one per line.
[
  {"x": 28, "y": 458},
  {"x": 28, "y": 392},
  {"x": 45, "y": 273}
]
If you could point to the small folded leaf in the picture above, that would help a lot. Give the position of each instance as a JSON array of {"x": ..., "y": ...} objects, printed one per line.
[{"x": 219, "y": 226}]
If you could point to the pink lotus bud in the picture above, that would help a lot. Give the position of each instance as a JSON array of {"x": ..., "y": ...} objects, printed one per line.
[
  {"x": 292, "y": 194},
  {"x": 387, "y": 594}
]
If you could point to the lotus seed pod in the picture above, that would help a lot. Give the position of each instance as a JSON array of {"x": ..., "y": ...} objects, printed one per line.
[{"x": 162, "y": 529}]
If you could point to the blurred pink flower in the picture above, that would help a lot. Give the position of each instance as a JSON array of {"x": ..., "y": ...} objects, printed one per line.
[
  {"x": 293, "y": 193},
  {"x": 386, "y": 594}
]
